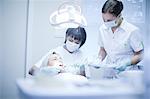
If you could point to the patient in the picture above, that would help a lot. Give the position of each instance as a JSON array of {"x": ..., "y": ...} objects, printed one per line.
[
  {"x": 55, "y": 68},
  {"x": 54, "y": 64},
  {"x": 54, "y": 73},
  {"x": 55, "y": 60}
]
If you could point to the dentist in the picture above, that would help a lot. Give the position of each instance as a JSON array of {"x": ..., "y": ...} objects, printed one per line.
[
  {"x": 120, "y": 42},
  {"x": 70, "y": 51}
]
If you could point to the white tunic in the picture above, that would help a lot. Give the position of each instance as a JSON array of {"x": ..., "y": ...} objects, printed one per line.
[{"x": 121, "y": 44}]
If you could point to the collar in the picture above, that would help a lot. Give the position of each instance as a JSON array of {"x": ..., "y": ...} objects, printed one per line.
[{"x": 124, "y": 25}]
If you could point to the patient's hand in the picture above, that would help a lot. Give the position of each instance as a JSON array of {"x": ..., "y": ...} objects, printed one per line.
[{"x": 33, "y": 70}]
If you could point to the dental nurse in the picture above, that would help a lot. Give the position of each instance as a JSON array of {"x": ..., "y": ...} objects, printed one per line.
[
  {"x": 70, "y": 51},
  {"x": 120, "y": 42}
]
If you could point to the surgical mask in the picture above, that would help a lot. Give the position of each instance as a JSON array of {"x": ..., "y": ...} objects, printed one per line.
[
  {"x": 110, "y": 24},
  {"x": 71, "y": 46}
]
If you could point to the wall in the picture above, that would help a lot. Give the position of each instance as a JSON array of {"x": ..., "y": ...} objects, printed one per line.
[
  {"x": 14, "y": 37},
  {"x": 147, "y": 55},
  {"x": 0, "y": 49},
  {"x": 92, "y": 12}
]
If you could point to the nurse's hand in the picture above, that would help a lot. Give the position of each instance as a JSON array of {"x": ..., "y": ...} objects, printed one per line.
[
  {"x": 121, "y": 68},
  {"x": 123, "y": 65}
]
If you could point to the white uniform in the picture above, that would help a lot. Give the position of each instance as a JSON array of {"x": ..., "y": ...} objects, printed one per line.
[
  {"x": 121, "y": 44},
  {"x": 69, "y": 59}
]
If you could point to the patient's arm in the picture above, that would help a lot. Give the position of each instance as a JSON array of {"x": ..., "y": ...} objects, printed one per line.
[{"x": 33, "y": 70}]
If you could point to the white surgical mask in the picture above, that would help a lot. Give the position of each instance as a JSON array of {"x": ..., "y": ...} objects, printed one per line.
[
  {"x": 110, "y": 24},
  {"x": 71, "y": 46}
]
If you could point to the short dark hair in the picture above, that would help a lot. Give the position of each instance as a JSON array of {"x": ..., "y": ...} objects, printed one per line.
[
  {"x": 78, "y": 33},
  {"x": 113, "y": 7}
]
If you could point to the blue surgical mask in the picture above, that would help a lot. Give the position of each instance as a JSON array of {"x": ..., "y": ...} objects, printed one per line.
[{"x": 71, "y": 46}]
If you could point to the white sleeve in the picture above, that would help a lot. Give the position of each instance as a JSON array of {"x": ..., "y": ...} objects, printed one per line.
[
  {"x": 100, "y": 42},
  {"x": 43, "y": 61},
  {"x": 136, "y": 41}
]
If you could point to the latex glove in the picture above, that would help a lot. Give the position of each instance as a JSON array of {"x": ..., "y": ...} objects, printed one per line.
[{"x": 123, "y": 65}]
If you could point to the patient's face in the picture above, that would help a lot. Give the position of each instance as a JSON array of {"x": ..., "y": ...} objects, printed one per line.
[{"x": 55, "y": 60}]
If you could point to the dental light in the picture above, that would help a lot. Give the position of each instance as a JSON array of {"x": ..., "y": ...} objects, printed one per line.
[{"x": 68, "y": 15}]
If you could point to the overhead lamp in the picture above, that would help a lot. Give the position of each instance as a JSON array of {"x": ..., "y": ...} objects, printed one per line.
[{"x": 68, "y": 15}]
